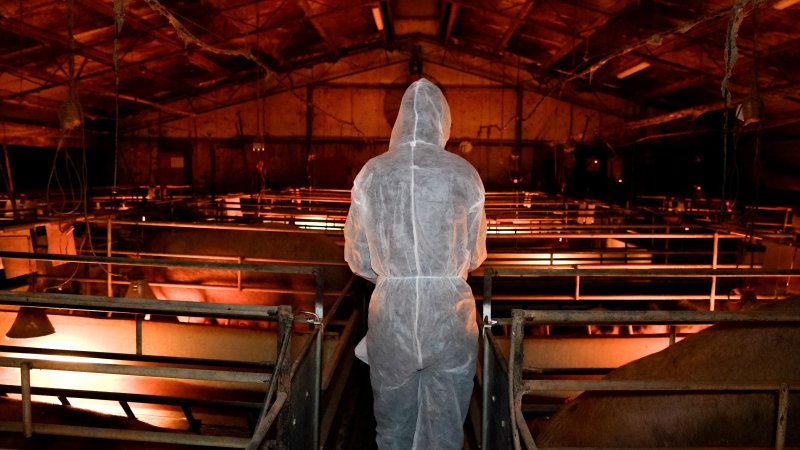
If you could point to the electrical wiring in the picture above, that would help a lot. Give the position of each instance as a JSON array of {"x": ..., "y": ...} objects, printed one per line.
[{"x": 189, "y": 38}]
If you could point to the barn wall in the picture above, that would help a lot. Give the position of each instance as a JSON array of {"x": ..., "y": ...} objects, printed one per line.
[{"x": 350, "y": 122}]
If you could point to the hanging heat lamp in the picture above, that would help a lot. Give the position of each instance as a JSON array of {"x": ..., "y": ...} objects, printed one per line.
[{"x": 30, "y": 323}]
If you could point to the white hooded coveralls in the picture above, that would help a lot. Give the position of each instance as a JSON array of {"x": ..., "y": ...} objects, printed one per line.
[{"x": 416, "y": 227}]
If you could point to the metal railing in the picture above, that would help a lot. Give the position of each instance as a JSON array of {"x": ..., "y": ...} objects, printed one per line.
[
  {"x": 582, "y": 273},
  {"x": 501, "y": 378},
  {"x": 518, "y": 387},
  {"x": 298, "y": 420},
  {"x": 274, "y": 377}
]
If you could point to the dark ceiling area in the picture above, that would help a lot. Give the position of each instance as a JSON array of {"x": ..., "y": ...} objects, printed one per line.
[{"x": 666, "y": 59}]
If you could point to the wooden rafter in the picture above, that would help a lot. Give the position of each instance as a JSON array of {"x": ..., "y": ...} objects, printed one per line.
[
  {"x": 197, "y": 59},
  {"x": 317, "y": 26},
  {"x": 695, "y": 111},
  {"x": 514, "y": 25},
  {"x": 586, "y": 33},
  {"x": 677, "y": 86},
  {"x": 451, "y": 19}
]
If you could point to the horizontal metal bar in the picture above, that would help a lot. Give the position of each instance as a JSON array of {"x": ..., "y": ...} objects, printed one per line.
[
  {"x": 131, "y": 435},
  {"x": 206, "y": 287},
  {"x": 652, "y": 385},
  {"x": 531, "y": 232},
  {"x": 248, "y": 267},
  {"x": 638, "y": 263},
  {"x": 205, "y": 226},
  {"x": 592, "y": 253},
  {"x": 142, "y": 371},
  {"x": 633, "y": 271},
  {"x": 660, "y": 317},
  {"x": 135, "y": 398},
  {"x": 620, "y": 297},
  {"x": 638, "y": 267},
  {"x": 231, "y": 258},
  {"x": 267, "y": 365},
  {"x": 139, "y": 306}
]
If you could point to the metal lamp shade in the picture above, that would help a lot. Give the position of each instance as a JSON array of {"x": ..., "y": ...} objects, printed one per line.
[{"x": 30, "y": 323}]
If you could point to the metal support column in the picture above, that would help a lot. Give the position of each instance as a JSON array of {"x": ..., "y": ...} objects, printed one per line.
[
  {"x": 486, "y": 373},
  {"x": 25, "y": 387},
  {"x": 319, "y": 274},
  {"x": 714, "y": 258}
]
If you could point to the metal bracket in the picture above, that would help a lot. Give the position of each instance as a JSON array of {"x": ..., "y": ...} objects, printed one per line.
[{"x": 315, "y": 319}]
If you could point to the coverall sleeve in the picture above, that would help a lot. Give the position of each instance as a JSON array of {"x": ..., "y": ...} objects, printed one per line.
[
  {"x": 477, "y": 234},
  {"x": 356, "y": 247}
]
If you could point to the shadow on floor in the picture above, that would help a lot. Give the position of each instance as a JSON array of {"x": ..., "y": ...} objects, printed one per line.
[{"x": 354, "y": 426}]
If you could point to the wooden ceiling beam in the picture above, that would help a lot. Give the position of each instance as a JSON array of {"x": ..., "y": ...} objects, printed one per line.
[
  {"x": 195, "y": 58},
  {"x": 524, "y": 10},
  {"x": 143, "y": 101},
  {"x": 451, "y": 19},
  {"x": 587, "y": 33},
  {"x": 309, "y": 13},
  {"x": 316, "y": 77},
  {"x": 675, "y": 87},
  {"x": 49, "y": 40},
  {"x": 260, "y": 28},
  {"x": 32, "y": 32},
  {"x": 695, "y": 111},
  {"x": 198, "y": 59},
  {"x": 509, "y": 65},
  {"x": 33, "y": 102}
]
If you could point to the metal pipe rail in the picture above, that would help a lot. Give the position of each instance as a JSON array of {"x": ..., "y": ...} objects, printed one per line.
[
  {"x": 576, "y": 227},
  {"x": 148, "y": 262},
  {"x": 602, "y": 298},
  {"x": 140, "y": 371},
  {"x": 539, "y": 317},
  {"x": 271, "y": 409},
  {"x": 634, "y": 271},
  {"x": 139, "y": 306},
  {"x": 208, "y": 287},
  {"x": 534, "y": 231},
  {"x": 205, "y": 226},
  {"x": 243, "y": 259},
  {"x": 238, "y": 268},
  {"x": 492, "y": 364},
  {"x": 518, "y": 387},
  {"x": 156, "y": 359},
  {"x": 302, "y": 412},
  {"x": 580, "y": 273}
]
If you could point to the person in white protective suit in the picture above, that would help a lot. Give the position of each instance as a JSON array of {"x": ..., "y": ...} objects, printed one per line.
[{"x": 416, "y": 227}]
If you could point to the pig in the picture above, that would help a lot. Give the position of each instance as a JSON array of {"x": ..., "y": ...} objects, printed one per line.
[
  {"x": 730, "y": 352},
  {"x": 277, "y": 245}
]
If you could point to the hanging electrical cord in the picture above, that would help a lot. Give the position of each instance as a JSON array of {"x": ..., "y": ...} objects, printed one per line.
[
  {"x": 755, "y": 103},
  {"x": 739, "y": 11},
  {"x": 731, "y": 55},
  {"x": 70, "y": 117},
  {"x": 119, "y": 19},
  {"x": 188, "y": 38}
]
